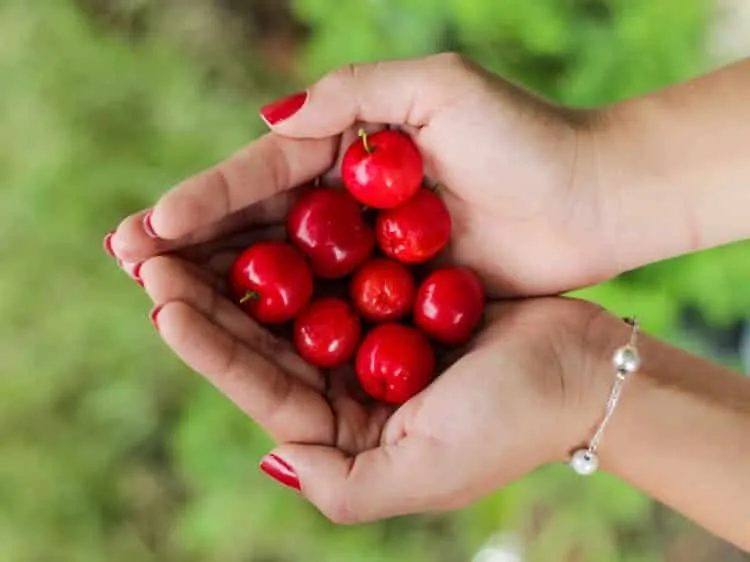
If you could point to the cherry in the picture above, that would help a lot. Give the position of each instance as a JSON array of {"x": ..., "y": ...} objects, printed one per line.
[
  {"x": 383, "y": 289},
  {"x": 449, "y": 304},
  {"x": 272, "y": 281},
  {"x": 394, "y": 363},
  {"x": 382, "y": 170},
  {"x": 327, "y": 226},
  {"x": 327, "y": 332},
  {"x": 415, "y": 231}
]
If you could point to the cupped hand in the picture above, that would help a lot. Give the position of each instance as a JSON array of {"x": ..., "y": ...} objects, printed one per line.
[
  {"x": 518, "y": 174},
  {"x": 505, "y": 407}
]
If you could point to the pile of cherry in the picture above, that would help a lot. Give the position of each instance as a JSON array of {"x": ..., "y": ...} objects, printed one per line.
[{"x": 375, "y": 236}]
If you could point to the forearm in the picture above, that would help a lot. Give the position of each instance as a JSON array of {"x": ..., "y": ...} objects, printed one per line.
[
  {"x": 675, "y": 168},
  {"x": 681, "y": 432}
]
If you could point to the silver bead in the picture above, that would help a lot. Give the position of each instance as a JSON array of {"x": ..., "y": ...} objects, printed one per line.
[
  {"x": 584, "y": 462},
  {"x": 626, "y": 359}
]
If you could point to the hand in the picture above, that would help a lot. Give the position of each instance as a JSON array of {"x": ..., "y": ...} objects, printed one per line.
[
  {"x": 517, "y": 173},
  {"x": 507, "y": 406}
]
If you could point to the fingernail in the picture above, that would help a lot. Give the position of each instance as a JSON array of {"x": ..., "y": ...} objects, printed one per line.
[
  {"x": 148, "y": 226},
  {"x": 280, "y": 470},
  {"x": 137, "y": 273},
  {"x": 281, "y": 110},
  {"x": 108, "y": 244},
  {"x": 154, "y": 315}
]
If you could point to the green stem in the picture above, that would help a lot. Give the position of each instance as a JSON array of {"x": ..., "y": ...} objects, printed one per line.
[
  {"x": 249, "y": 296},
  {"x": 363, "y": 135}
]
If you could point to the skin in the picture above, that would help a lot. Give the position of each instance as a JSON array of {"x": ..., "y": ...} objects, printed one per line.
[{"x": 544, "y": 199}]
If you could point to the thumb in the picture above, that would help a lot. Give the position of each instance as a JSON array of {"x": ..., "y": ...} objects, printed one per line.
[
  {"x": 402, "y": 92},
  {"x": 406, "y": 477}
]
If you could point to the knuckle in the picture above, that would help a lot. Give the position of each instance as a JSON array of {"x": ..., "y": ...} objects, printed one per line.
[
  {"x": 453, "y": 60},
  {"x": 229, "y": 365},
  {"x": 277, "y": 164},
  {"x": 219, "y": 177},
  {"x": 268, "y": 344},
  {"x": 347, "y": 72},
  {"x": 280, "y": 389},
  {"x": 342, "y": 76}
]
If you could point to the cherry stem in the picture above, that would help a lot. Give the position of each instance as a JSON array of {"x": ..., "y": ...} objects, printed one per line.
[
  {"x": 316, "y": 182},
  {"x": 363, "y": 135},
  {"x": 249, "y": 296},
  {"x": 436, "y": 188}
]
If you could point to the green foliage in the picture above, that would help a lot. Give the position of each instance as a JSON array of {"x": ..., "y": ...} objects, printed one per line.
[
  {"x": 580, "y": 52},
  {"x": 111, "y": 450}
]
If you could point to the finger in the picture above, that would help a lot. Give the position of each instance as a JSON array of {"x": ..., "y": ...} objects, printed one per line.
[
  {"x": 288, "y": 409},
  {"x": 232, "y": 244},
  {"x": 408, "y": 477},
  {"x": 360, "y": 419},
  {"x": 187, "y": 213},
  {"x": 168, "y": 279},
  {"x": 395, "y": 92}
]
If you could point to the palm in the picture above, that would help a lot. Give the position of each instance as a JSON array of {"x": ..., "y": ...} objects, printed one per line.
[
  {"x": 471, "y": 414},
  {"x": 333, "y": 413},
  {"x": 328, "y": 408},
  {"x": 515, "y": 186},
  {"x": 266, "y": 378}
]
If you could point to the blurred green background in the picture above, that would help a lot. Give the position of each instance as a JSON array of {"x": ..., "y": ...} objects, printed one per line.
[{"x": 111, "y": 450}]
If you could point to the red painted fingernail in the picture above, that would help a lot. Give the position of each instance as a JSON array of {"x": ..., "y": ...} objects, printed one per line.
[
  {"x": 137, "y": 273},
  {"x": 108, "y": 244},
  {"x": 154, "y": 315},
  {"x": 148, "y": 226},
  {"x": 281, "y": 110},
  {"x": 280, "y": 470}
]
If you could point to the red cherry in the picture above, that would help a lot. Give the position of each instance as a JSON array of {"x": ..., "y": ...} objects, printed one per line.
[
  {"x": 395, "y": 362},
  {"x": 382, "y": 170},
  {"x": 327, "y": 225},
  {"x": 449, "y": 304},
  {"x": 272, "y": 281},
  {"x": 327, "y": 332},
  {"x": 415, "y": 231},
  {"x": 383, "y": 289}
]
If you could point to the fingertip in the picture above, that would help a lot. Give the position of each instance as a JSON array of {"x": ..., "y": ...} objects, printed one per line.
[
  {"x": 107, "y": 244},
  {"x": 132, "y": 269},
  {"x": 284, "y": 108},
  {"x": 137, "y": 273},
  {"x": 131, "y": 242},
  {"x": 274, "y": 466},
  {"x": 154, "y": 315},
  {"x": 148, "y": 225}
]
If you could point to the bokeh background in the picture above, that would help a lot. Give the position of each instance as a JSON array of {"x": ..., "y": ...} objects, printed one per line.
[{"x": 110, "y": 449}]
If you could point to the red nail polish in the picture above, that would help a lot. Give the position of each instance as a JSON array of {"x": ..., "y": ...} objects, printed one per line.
[
  {"x": 148, "y": 226},
  {"x": 280, "y": 470},
  {"x": 108, "y": 244},
  {"x": 281, "y": 110},
  {"x": 137, "y": 273},
  {"x": 154, "y": 315}
]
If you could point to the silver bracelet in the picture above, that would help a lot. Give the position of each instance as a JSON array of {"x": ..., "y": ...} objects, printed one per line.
[{"x": 626, "y": 361}]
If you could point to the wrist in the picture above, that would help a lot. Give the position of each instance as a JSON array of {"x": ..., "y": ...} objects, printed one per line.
[
  {"x": 671, "y": 170},
  {"x": 590, "y": 376},
  {"x": 681, "y": 430}
]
